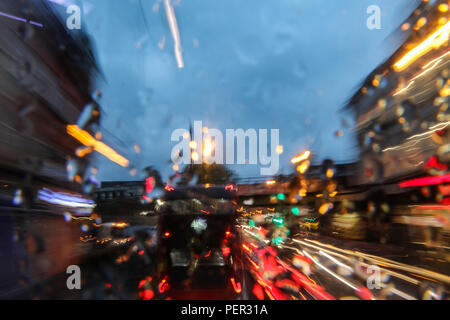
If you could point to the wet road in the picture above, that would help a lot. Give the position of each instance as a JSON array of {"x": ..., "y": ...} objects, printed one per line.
[{"x": 346, "y": 269}]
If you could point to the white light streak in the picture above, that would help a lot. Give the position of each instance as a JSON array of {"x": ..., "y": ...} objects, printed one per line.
[{"x": 172, "y": 20}]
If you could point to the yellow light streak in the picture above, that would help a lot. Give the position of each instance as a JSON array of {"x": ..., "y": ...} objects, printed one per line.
[
  {"x": 207, "y": 147},
  {"x": 305, "y": 155},
  {"x": 434, "y": 41},
  {"x": 86, "y": 139}
]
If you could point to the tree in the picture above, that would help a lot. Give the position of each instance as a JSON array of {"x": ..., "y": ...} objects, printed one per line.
[
  {"x": 208, "y": 173},
  {"x": 152, "y": 172}
]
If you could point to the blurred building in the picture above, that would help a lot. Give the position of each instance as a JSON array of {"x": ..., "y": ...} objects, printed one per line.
[
  {"x": 46, "y": 79},
  {"x": 401, "y": 108},
  {"x": 114, "y": 190}
]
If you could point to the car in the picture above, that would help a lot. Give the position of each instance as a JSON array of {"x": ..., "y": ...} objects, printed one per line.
[{"x": 198, "y": 245}]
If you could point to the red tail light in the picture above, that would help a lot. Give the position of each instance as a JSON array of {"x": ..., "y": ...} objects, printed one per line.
[
  {"x": 226, "y": 251},
  {"x": 258, "y": 292},
  {"x": 147, "y": 294},
  {"x": 163, "y": 285}
]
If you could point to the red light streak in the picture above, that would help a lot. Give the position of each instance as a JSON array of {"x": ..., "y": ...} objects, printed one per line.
[
  {"x": 425, "y": 181},
  {"x": 258, "y": 292},
  {"x": 253, "y": 263},
  {"x": 435, "y": 207},
  {"x": 142, "y": 283},
  {"x": 149, "y": 184},
  {"x": 226, "y": 251},
  {"x": 229, "y": 187},
  {"x": 432, "y": 163},
  {"x": 315, "y": 290},
  {"x": 163, "y": 285}
]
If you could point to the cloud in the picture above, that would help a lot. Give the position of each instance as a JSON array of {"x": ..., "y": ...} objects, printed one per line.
[{"x": 254, "y": 64}]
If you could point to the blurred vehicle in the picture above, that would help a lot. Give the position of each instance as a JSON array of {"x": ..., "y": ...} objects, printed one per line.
[
  {"x": 310, "y": 224},
  {"x": 198, "y": 246}
]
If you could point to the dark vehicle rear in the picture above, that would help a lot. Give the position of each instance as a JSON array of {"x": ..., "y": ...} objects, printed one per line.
[{"x": 198, "y": 249}]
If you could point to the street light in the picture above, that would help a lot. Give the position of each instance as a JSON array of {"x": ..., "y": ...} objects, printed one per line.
[{"x": 208, "y": 147}]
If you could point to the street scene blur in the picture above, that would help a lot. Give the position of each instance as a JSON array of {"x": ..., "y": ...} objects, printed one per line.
[{"x": 224, "y": 150}]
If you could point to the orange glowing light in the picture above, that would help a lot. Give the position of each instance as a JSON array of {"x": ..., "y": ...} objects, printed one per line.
[
  {"x": 305, "y": 155},
  {"x": 303, "y": 166},
  {"x": 330, "y": 173},
  {"x": 168, "y": 188},
  {"x": 121, "y": 225},
  {"x": 443, "y": 7},
  {"x": 86, "y": 139},
  {"x": 324, "y": 208},
  {"x": 420, "y": 23},
  {"x": 302, "y": 192},
  {"x": 236, "y": 286},
  {"x": 82, "y": 151},
  {"x": 270, "y": 182}
]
